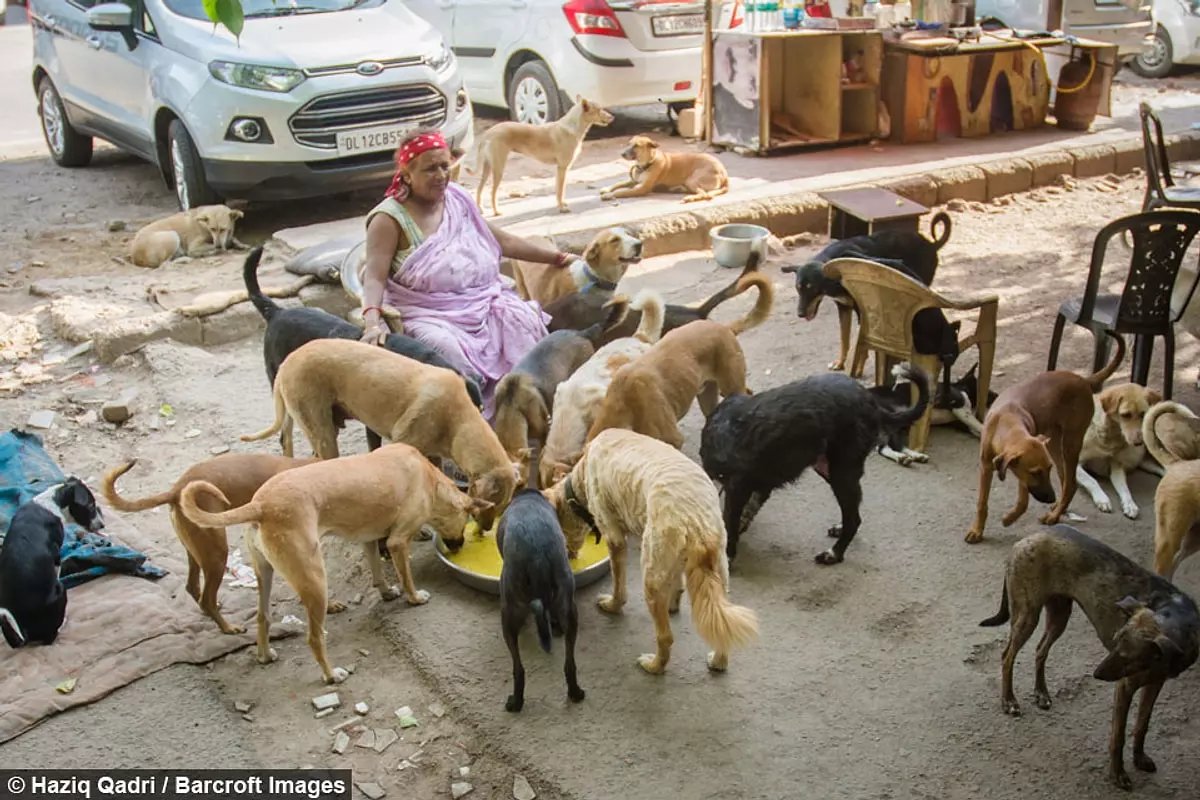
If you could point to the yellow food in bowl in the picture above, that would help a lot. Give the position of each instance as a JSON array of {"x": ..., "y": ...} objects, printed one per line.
[{"x": 480, "y": 556}]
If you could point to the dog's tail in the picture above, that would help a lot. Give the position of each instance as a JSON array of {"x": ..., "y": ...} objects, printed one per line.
[
  {"x": 618, "y": 309},
  {"x": 1150, "y": 436},
  {"x": 541, "y": 618},
  {"x": 280, "y": 417},
  {"x": 1001, "y": 615},
  {"x": 251, "y": 512},
  {"x": 520, "y": 412},
  {"x": 904, "y": 418},
  {"x": 12, "y": 630},
  {"x": 733, "y": 289},
  {"x": 265, "y": 305},
  {"x": 941, "y": 219},
  {"x": 1096, "y": 380},
  {"x": 120, "y": 503},
  {"x": 719, "y": 622},
  {"x": 762, "y": 305},
  {"x": 650, "y": 303}
]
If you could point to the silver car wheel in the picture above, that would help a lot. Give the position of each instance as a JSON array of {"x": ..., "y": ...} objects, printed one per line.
[
  {"x": 531, "y": 102},
  {"x": 1156, "y": 54},
  {"x": 52, "y": 121}
]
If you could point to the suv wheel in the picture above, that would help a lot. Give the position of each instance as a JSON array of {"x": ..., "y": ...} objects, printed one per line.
[
  {"x": 68, "y": 147},
  {"x": 187, "y": 172},
  {"x": 533, "y": 95},
  {"x": 1155, "y": 61}
]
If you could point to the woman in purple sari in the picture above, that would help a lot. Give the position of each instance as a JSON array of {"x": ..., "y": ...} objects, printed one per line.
[{"x": 431, "y": 256}]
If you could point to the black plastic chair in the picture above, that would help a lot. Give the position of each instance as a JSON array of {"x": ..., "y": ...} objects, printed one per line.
[
  {"x": 1160, "y": 241},
  {"x": 1161, "y": 191}
]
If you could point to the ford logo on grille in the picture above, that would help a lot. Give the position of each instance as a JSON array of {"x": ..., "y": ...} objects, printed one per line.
[{"x": 369, "y": 68}]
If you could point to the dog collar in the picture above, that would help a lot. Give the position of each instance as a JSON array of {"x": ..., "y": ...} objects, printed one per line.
[
  {"x": 579, "y": 509},
  {"x": 594, "y": 280}
]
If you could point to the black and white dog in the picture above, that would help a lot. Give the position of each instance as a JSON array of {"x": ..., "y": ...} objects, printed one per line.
[{"x": 33, "y": 602}]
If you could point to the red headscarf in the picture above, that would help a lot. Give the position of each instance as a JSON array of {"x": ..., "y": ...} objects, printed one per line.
[{"x": 406, "y": 152}]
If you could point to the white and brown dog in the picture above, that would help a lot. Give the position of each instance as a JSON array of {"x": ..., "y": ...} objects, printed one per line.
[
  {"x": 1114, "y": 445},
  {"x": 197, "y": 232},
  {"x": 600, "y": 269}
]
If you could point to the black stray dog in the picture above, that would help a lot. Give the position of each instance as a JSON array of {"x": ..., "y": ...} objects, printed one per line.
[
  {"x": 33, "y": 602},
  {"x": 755, "y": 444},
  {"x": 289, "y": 328},
  {"x": 953, "y": 404},
  {"x": 535, "y": 578},
  {"x": 578, "y": 310}
]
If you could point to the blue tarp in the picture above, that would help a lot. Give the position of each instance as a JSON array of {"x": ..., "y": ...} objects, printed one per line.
[{"x": 26, "y": 470}]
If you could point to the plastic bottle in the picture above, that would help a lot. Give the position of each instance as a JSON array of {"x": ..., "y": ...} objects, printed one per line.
[
  {"x": 748, "y": 16},
  {"x": 871, "y": 9}
]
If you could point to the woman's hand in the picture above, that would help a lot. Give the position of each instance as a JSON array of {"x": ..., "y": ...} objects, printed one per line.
[{"x": 374, "y": 334}]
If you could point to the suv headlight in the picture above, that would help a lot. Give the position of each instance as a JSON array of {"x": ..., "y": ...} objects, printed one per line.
[
  {"x": 441, "y": 58},
  {"x": 255, "y": 76}
]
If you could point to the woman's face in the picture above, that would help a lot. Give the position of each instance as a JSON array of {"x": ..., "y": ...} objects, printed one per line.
[{"x": 428, "y": 175}]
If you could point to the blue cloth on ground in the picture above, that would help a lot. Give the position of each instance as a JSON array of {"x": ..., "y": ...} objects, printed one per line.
[{"x": 26, "y": 470}]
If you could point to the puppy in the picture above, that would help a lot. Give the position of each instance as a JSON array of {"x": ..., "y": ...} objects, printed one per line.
[
  {"x": 1114, "y": 445},
  {"x": 581, "y": 310},
  {"x": 525, "y": 396},
  {"x": 578, "y": 398},
  {"x": 197, "y": 232},
  {"x": 1033, "y": 428},
  {"x": 754, "y": 444},
  {"x": 289, "y": 328},
  {"x": 404, "y": 400},
  {"x": 905, "y": 251},
  {"x": 698, "y": 362},
  {"x": 1150, "y": 628},
  {"x": 604, "y": 262},
  {"x": 558, "y": 143},
  {"x": 387, "y": 493},
  {"x": 700, "y": 175},
  {"x": 238, "y": 476},
  {"x": 1172, "y": 435},
  {"x": 535, "y": 578},
  {"x": 33, "y": 601},
  {"x": 628, "y": 485}
]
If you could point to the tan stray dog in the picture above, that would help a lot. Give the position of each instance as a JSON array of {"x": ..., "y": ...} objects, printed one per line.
[
  {"x": 197, "y": 232},
  {"x": 1177, "y": 499},
  {"x": 601, "y": 268},
  {"x": 632, "y": 485},
  {"x": 557, "y": 143},
  {"x": 698, "y": 361},
  {"x": 402, "y": 399},
  {"x": 701, "y": 175},
  {"x": 1033, "y": 428},
  {"x": 239, "y": 476},
  {"x": 389, "y": 493},
  {"x": 578, "y": 398},
  {"x": 1113, "y": 444}
]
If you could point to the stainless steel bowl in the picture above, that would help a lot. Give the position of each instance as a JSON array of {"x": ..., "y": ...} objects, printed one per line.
[
  {"x": 584, "y": 577},
  {"x": 351, "y": 280},
  {"x": 732, "y": 244}
]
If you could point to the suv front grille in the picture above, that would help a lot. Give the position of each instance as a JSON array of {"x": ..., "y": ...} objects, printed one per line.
[{"x": 318, "y": 121}]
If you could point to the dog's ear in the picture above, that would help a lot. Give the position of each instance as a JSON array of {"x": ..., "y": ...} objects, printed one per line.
[
  {"x": 1130, "y": 605},
  {"x": 586, "y": 105},
  {"x": 235, "y": 214},
  {"x": 591, "y": 251},
  {"x": 1002, "y": 462},
  {"x": 1153, "y": 397},
  {"x": 1110, "y": 402}
]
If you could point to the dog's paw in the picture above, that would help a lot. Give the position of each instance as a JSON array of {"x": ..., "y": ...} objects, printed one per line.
[
  {"x": 917, "y": 456},
  {"x": 974, "y": 536},
  {"x": 608, "y": 604},
  {"x": 1050, "y": 518},
  {"x": 390, "y": 592},
  {"x": 419, "y": 599},
  {"x": 1130, "y": 509},
  {"x": 828, "y": 558},
  {"x": 651, "y": 664},
  {"x": 230, "y": 628},
  {"x": 564, "y": 210},
  {"x": 270, "y": 658},
  {"x": 1012, "y": 708},
  {"x": 1043, "y": 700},
  {"x": 1144, "y": 762},
  {"x": 1120, "y": 779},
  {"x": 606, "y": 196},
  {"x": 335, "y": 607},
  {"x": 717, "y": 663},
  {"x": 339, "y": 675},
  {"x": 576, "y": 695},
  {"x": 837, "y": 366},
  {"x": 514, "y": 703}
]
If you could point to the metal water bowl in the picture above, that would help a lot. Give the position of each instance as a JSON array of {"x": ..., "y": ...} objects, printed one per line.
[{"x": 732, "y": 244}]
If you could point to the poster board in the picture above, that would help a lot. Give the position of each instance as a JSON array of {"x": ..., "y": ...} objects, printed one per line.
[{"x": 736, "y": 84}]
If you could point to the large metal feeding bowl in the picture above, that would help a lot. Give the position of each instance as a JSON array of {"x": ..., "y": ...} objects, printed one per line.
[
  {"x": 351, "y": 280},
  {"x": 732, "y": 244},
  {"x": 591, "y": 565}
]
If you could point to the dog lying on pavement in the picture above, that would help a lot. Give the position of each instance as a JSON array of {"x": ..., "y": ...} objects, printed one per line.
[
  {"x": 389, "y": 493},
  {"x": 599, "y": 269},
  {"x": 1114, "y": 445},
  {"x": 33, "y": 601},
  {"x": 197, "y": 232},
  {"x": 238, "y": 476},
  {"x": 1177, "y": 498},
  {"x": 628, "y": 485},
  {"x": 1150, "y": 628},
  {"x": 535, "y": 578},
  {"x": 700, "y": 175},
  {"x": 1034, "y": 428},
  {"x": 905, "y": 251},
  {"x": 953, "y": 404},
  {"x": 402, "y": 399}
]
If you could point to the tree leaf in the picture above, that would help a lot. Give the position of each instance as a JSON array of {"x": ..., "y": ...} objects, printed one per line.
[
  {"x": 229, "y": 12},
  {"x": 210, "y": 10}
]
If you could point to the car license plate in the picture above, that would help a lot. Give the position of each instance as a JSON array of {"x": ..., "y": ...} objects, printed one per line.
[
  {"x": 370, "y": 140},
  {"x": 678, "y": 25}
]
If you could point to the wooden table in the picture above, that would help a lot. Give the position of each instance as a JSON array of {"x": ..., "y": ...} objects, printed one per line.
[{"x": 854, "y": 212}]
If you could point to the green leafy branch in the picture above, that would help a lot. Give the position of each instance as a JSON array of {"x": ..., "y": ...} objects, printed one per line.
[{"x": 227, "y": 13}]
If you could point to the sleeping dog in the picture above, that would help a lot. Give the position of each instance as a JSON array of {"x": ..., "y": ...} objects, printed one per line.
[
  {"x": 289, "y": 328},
  {"x": 953, "y": 404},
  {"x": 33, "y": 602},
  {"x": 904, "y": 251}
]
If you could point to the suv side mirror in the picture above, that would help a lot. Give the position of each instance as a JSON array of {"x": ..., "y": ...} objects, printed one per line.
[{"x": 113, "y": 17}]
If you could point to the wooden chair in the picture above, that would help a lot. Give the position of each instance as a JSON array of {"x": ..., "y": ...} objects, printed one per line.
[
  {"x": 887, "y": 302},
  {"x": 1143, "y": 308},
  {"x": 1161, "y": 191}
]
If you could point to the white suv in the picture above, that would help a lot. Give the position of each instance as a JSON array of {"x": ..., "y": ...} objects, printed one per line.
[
  {"x": 311, "y": 99},
  {"x": 534, "y": 56}
]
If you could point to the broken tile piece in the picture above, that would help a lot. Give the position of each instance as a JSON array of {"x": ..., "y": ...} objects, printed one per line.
[
  {"x": 43, "y": 419},
  {"x": 323, "y": 713},
  {"x": 340, "y": 743},
  {"x": 367, "y": 740},
  {"x": 361, "y": 709},
  {"x": 219, "y": 449},
  {"x": 460, "y": 789},
  {"x": 373, "y": 791},
  {"x": 464, "y": 772},
  {"x": 385, "y": 738},
  {"x": 352, "y": 725},
  {"x": 325, "y": 701},
  {"x": 364, "y": 652},
  {"x": 522, "y": 790},
  {"x": 248, "y": 717},
  {"x": 437, "y": 709},
  {"x": 242, "y": 707},
  {"x": 192, "y": 434}
]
